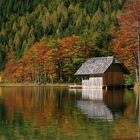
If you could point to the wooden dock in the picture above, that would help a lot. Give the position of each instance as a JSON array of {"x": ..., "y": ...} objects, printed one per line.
[{"x": 75, "y": 86}]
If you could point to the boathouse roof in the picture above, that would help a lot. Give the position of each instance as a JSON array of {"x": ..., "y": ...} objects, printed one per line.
[{"x": 99, "y": 65}]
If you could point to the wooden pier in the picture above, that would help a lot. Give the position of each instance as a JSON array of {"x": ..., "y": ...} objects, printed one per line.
[{"x": 75, "y": 86}]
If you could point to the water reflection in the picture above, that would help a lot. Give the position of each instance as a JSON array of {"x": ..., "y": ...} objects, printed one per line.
[
  {"x": 125, "y": 126},
  {"x": 137, "y": 92},
  {"x": 101, "y": 104},
  {"x": 34, "y": 113},
  {"x": 94, "y": 107},
  {"x": 92, "y": 94}
]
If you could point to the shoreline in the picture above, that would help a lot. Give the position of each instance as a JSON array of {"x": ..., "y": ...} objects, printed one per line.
[
  {"x": 137, "y": 86},
  {"x": 34, "y": 85}
]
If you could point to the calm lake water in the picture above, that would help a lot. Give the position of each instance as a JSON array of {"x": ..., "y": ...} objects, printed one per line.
[{"x": 42, "y": 113}]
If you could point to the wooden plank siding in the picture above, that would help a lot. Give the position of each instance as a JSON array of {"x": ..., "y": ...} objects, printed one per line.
[
  {"x": 93, "y": 83},
  {"x": 114, "y": 76}
]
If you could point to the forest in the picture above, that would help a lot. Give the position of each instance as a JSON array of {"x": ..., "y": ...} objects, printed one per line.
[{"x": 46, "y": 41}]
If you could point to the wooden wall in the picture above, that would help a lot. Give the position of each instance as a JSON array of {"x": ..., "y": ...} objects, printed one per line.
[{"x": 114, "y": 76}]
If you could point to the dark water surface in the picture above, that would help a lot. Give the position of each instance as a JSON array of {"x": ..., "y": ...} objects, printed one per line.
[{"x": 42, "y": 113}]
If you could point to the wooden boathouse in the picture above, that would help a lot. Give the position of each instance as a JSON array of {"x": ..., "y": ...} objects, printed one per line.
[{"x": 102, "y": 72}]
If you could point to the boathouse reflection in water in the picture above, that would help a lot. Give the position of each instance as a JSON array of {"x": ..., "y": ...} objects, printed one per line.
[
  {"x": 53, "y": 113},
  {"x": 101, "y": 104}
]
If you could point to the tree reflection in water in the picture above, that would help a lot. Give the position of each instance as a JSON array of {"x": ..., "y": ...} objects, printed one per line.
[
  {"x": 34, "y": 113},
  {"x": 137, "y": 92},
  {"x": 102, "y": 104},
  {"x": 93, "y": 106}
]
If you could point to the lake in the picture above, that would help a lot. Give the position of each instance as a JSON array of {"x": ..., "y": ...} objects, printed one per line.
[{"x": 47, "y": 113}]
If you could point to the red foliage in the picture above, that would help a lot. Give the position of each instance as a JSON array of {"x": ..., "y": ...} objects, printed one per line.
[
  {"x": 126, "y": 42},
  {"x": 41, "y": 63},
  {"x": 68, "y": 46}
]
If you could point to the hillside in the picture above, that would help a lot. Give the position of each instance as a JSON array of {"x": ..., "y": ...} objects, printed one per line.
[{"x": 56, "y": 24}]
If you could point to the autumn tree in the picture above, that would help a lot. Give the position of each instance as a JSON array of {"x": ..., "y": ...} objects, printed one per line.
[
  {"x": 34, "y": 60},
  {"x": 73, "y": 52},
  {"x": 22, "y": 27},
  {"x": 127, "y": 41},
  {"x": 11, "y": 67},
  {"x": 50, "y": 65}
]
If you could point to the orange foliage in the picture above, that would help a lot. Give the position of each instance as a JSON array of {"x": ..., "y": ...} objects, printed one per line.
[
  {"x": 71, "y": 53},
  {"x": 50, "y": 66},
  {"x": 41, "y": 106},
  {"x": 42, "y": 63},
  {"x": 126, "y": 42},
  {"x": 68, "y": 46}
]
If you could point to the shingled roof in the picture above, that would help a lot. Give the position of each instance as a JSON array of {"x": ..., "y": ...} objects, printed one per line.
[{"x": 99, "y": 65}]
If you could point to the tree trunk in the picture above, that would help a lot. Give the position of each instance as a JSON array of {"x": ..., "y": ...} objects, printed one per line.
[{"x": 138, "y": 30}]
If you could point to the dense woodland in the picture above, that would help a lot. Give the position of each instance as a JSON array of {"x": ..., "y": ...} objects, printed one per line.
[{"x": 47, "y": 41}]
